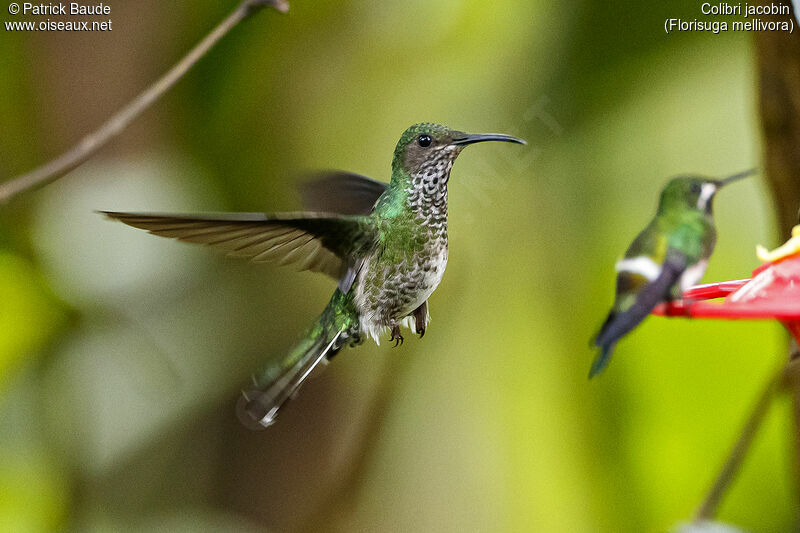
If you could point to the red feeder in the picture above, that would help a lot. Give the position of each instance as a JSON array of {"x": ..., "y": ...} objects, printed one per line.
[{"x": 773, "y": 292}]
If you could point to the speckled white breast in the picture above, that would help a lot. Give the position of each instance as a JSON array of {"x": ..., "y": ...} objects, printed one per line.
[
  {"x": 400, "y": 294},
  {"x": 430, "y": 280}
]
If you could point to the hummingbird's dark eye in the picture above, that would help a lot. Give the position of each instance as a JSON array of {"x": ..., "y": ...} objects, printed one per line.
[
  {"x": 424, "y": 140},
  {"x": 696, "y": 188}
]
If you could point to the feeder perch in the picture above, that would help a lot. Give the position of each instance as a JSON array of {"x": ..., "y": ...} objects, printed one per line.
[{"x": 772, "y": 293}]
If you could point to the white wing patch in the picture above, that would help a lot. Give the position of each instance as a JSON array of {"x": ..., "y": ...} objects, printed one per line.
[{"x": 641, "y": 265}]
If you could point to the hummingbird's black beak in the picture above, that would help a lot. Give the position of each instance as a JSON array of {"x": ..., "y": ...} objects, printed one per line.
[
  {"x": 482, "y": 137},
  {"x": 736, "y": 177}
]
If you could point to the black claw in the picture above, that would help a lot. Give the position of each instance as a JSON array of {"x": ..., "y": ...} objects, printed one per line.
[
  {"x": 396, "y": 336},
  {"x": 421, "y": 333}
]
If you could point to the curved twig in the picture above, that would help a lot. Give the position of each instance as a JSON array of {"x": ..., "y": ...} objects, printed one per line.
[
  {"x": 92, "y": 142},
  {"x": 708, "y": 508}
]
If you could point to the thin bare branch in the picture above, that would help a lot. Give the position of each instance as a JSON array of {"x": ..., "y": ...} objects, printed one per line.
[
  {"x": 708, "y": 509},
  {"x": 92, "y": 142}
]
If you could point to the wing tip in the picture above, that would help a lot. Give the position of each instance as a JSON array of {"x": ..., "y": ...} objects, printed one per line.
[
  {"x": 116, "y": 215},
  {"x": 601, "y": 361}
]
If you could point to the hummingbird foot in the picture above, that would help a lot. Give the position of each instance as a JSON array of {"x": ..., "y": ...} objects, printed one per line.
[
  {"x": 421, "y": 318},
  {"x": 397, "y": 337}
]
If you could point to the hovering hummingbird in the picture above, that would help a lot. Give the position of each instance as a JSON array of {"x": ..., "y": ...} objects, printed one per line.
[
  {"x": 385, "y": 244},
  {"x": 666, "y": 258}
]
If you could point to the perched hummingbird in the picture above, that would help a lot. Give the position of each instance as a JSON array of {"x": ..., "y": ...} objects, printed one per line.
[
  {"x": 385, "y": 244},
  {"x": 666, "y": 258}
]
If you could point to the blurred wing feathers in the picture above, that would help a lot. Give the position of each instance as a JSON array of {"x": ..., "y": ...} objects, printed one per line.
[
  {"x": 314, "y": 241},
  {"x": 342, "y": 192},
  {"x": 647, "y": 298},
  {"x": 622, "y": 322}
]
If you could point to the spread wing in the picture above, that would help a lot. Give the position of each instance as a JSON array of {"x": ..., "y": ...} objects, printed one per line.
[
  {"x": 342, "y": 192},
  {"x": 319, "y": 242}
]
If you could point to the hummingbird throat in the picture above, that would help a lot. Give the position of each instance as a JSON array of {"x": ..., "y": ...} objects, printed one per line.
[{"x": 428, "y": 190}]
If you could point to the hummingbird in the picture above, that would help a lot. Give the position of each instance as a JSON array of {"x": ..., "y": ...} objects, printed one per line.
[
  {"x": 384, "y": 243},
  {"x": 669, "y": 256}
]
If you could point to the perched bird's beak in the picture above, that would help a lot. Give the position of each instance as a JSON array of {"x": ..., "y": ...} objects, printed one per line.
[
  {"x": 482, "y": 137},
  {"x": 736, "y": 177}
]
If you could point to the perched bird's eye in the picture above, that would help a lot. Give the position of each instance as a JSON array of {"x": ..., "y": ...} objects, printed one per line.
[
  {"x": 425, "y": 140},
  {"x": 696, "y": 188}
]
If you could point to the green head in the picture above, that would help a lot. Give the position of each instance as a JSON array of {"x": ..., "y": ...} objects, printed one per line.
[
  {"x": 694, "y": 192},
  {"x": 432, "y": 148}
]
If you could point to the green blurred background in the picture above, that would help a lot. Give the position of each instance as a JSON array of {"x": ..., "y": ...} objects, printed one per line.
[{"x": 122, "y": 355}]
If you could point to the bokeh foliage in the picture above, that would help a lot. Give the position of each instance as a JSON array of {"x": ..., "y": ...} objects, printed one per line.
[{"x": 121, "y": 354}]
